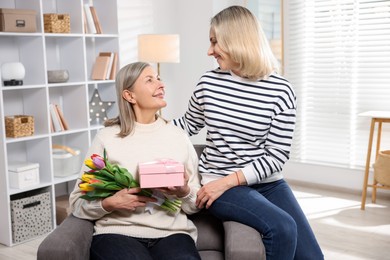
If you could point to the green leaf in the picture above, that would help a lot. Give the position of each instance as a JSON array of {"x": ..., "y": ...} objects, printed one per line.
[
  {"x": 109, "y": 168},
  {"x": 105, "y": 173},
  {"x": 121, "y": 179},
  {"x": 128, "y": 176},
  {"x": 105, "y": 155},
  {"x": 97, "y": 194},
  {"x": 134, "y": 184},
  {"x": 112, "y": 186}
]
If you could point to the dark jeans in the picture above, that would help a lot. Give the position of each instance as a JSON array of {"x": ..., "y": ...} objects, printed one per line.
[
  {"x": 114, "y": 246},
  {"x": 271, "y": 209}
]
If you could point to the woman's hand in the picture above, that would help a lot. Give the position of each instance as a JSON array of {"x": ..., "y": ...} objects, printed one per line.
[
  {"x": 178, "y": 191},
  {"x": 214, "y": 189},
  {"x": 126, "y": 199}
]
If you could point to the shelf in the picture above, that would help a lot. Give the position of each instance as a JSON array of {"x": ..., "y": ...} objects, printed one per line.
[
  {"x": 39, "y": 52},
  {"x": 14, "y": 34},
  {"x": 13, "y": 191},
  {"x": 11, "y": 88},
  {"x": 23, "y": 139}
]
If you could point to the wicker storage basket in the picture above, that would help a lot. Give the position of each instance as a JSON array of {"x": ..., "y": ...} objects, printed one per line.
[
  {"x": 57, "y": 23},
  {"x": 382, "y": 168},
  {"x": 19, "y": 125}
]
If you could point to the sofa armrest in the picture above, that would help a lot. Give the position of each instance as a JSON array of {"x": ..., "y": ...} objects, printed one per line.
[
  {"x": 69, "y": 241},
  {"x": 242, "y": 242}
]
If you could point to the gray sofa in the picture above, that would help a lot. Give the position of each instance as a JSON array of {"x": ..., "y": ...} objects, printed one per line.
[{"x": 216, "y": 240}]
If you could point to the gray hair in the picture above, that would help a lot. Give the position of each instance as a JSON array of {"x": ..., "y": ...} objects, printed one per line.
[{"x": 125, "y": 80}]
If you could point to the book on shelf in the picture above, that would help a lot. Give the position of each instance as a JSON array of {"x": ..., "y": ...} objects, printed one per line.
[
  {"x": 105, "y": 66},
  {"x": 111, "y": 56},
  {"x": 114, "y": 66},
  {"x": 57, "y": 119},
  {"x": 88, "y": 17},
  {"x": 100, "y": 68},
  {"x": 85, "y": 23},
  {"x": 64, "y": 123},
  {"x": 96, "y": 20}
]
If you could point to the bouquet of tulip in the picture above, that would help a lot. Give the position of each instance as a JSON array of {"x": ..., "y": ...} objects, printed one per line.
[{"x": 104, "y": 180}]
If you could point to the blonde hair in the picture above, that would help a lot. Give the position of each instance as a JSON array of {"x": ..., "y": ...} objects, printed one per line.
[
  {"x": 240, "y": 35},
  {"x": 125, "y": 79}
]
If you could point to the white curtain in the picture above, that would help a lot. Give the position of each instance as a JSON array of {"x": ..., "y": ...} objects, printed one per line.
[{"x": 337, "y": 56}]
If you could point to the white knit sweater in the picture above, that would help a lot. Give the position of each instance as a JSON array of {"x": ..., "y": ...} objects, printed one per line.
[{"x": 149, "y": 142}]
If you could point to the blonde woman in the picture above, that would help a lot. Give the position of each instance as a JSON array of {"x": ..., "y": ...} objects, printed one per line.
[
  {"x": 123, "y": 228},
  {"x": 249, "y": 112}
]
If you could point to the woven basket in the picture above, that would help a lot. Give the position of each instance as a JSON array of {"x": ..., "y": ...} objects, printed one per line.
[
  {"x": 382, "y": 168},
  {"x": 56, "y": 23},
  {"x": 19, "y": 125}
]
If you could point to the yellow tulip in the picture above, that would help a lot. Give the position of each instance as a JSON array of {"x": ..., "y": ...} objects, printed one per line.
[
  {"x": 88, "y": 162},
  {"x": 86, "y": 187},
  {"x": 87, "y": 177}
]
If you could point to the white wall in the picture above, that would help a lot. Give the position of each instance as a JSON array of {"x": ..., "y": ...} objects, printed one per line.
[
  {"x": 134, "y": 17},
  {"x": 190, "y": 19},
  {"x": 347, "y": 179}
]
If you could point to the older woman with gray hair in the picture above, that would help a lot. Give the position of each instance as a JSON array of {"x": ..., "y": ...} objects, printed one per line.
[{"x": 123, "y": 228}]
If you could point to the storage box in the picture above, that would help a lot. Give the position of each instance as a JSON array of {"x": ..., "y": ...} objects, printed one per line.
[
  {"x": 162, "y": 173},
  {"x": 56, "y": 23},
  {"x": 23, "y": 174},
  {"x": 17, "y": 20},
  {"x": 30, "y": 215},
  {"x": 66, "y": 161},
  {"x": 19, "y": 125}
]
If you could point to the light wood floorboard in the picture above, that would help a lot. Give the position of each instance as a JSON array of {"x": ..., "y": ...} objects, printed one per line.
[{"x": 344, "y": 232}]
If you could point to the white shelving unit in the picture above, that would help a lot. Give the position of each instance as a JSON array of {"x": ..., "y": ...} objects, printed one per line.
[{"x": 39, "y": 52}]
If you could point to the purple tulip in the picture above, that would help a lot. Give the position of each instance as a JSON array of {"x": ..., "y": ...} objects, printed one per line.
[{"x": 98, "y": 162}]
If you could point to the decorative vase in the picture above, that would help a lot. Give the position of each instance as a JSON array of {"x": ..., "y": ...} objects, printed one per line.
[
  {"x": 57, "y": 76},
  {"x": 13, "y": 73}
]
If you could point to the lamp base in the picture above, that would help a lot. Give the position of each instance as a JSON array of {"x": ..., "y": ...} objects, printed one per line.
[{"x": 13, "y": 82}]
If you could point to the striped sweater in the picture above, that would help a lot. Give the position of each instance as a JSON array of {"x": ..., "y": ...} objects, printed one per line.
[{"x": 250, "y": 125}]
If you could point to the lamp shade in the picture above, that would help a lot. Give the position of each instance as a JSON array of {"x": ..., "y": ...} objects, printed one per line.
[
  {"x": 159, "y": 48},
  {"x": 13, "y": 71}
]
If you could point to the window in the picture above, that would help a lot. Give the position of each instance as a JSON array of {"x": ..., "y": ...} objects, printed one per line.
[{"x": 337, "y": 56}]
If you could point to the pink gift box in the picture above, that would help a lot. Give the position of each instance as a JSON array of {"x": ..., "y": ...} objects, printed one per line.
[{"x": 161, "y": 173}]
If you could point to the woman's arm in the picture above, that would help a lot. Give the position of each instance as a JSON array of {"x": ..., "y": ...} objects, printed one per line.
[
  {"x": 193, "y": 120},
  {"x": 277, "y": 149},
  {"x": 82, "y": 208}
]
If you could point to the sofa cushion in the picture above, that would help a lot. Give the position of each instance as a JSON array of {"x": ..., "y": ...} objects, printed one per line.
[
  {"x": 210, "y": 231},
  {"x": 211, "y": 255}
]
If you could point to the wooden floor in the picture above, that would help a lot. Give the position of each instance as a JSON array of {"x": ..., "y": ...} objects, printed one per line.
[{"x": 343, "y": 230}]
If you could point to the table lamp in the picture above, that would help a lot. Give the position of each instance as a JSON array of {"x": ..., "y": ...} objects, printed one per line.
[
  {"x": 157, "y": 48},
  {"x": 13, "y": 73}
]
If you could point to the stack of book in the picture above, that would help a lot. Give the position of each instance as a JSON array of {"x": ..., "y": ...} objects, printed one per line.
[
  {"x": 105, "y": 66},
  {"x": 57, "y": 119},
  {"x": 91, "y": 20}
]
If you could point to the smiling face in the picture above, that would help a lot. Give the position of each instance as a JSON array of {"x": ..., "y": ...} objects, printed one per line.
[
  {"x": 223, "y": 58},
  {"x": 147, "y": 94}
]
